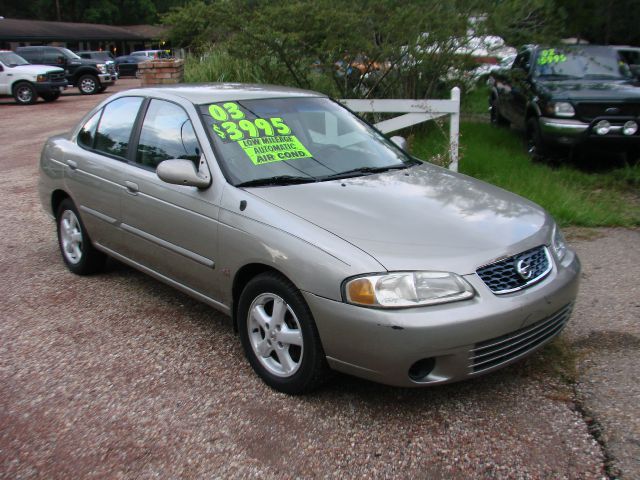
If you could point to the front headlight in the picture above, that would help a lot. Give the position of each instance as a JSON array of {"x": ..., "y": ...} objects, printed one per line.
[
  {"x": 558, "y": 243},
  {"x": 41, "y": 78},
  {"x": 407, "y": 289},
  {"x": 102, "y": 67},
  {"x": 561, "y": 109}
]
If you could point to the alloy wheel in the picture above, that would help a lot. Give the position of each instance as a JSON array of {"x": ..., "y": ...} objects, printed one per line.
[
  {"x": 71, "y": 237},
  {"x": 275, "y": 335}
]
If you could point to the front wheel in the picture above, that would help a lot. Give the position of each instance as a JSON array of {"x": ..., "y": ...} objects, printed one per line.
[
  {"x": 536, "y": 146},
  {"x": 279, "y": 336},
  {"x": 75, "y": 245},
  {"x": 88, "y": 84},
  {"x": 24, "y": 93}
]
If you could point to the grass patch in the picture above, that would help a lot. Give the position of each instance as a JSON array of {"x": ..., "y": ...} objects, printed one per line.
[
  {"x": 475, "y": 101},
  {"x": 572, "y": 196}
]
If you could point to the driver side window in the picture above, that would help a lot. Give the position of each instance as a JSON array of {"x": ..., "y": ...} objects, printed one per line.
[{"x": 166, "y": 133}]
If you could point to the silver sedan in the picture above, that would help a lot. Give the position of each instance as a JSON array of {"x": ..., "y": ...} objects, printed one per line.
[{"x": 329, "y": 246}]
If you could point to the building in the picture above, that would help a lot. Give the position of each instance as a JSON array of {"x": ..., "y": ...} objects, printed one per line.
[{"x": 119, "y": 40}]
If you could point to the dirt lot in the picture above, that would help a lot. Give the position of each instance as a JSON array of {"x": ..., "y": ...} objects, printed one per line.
[{"x": 119, "y": 376}]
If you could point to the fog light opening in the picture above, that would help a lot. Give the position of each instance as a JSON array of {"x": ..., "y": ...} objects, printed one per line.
[
  {"x": 602, "y": 127},
  {"x": 630, "y": 128},
  {"x": 422, "y": 368}
]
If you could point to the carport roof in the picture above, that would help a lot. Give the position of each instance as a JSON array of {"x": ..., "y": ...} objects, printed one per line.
[{"x": 36, "y": 30}]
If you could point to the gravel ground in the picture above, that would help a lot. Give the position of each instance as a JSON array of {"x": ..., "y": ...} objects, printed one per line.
[
  {"x": 606, "y": 335},
  {"x": 119, "y": 376}
]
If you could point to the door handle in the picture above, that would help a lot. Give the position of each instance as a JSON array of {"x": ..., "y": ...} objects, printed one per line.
[
  {"x": 72, "y": 165},
  {"x": 131, "y": 187}
]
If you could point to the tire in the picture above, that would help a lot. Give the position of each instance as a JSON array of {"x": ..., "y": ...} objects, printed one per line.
[
  {"x": 50, "y": 97},
  {"x": 282, "y": 344},
  {"x": 76, "y": 248},
  {"x": 537, "y": 149},
  {"x": 24, "y": 93},
  {"x": 88, "y": 84},
  {"x": 495, "y": 115}
]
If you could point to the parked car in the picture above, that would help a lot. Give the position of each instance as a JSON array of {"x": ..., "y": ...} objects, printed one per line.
[
  {"x": 568, "y": 96},
  {"x": 89, "y": 76},
  {"x": 152, "y": 54},
  {"x": 26, "y": 82},
  {"x": 102, "y": 56},
  {"x": 128, "y": 65},
  {"x": 328, "y": 245}
]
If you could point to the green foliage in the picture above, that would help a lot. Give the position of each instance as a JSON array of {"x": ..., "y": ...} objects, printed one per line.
[
  {"x": 371, "y": 49},
  {"x": 115, "y": 12},
  {"x": 572, "y": 196}
]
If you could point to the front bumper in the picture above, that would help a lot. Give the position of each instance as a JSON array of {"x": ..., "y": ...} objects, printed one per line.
[
  {"x": 571, "y": 132},
  {"x": 50, "y": 87},
  {"x": 107, "y": 78},
  {"x": 383, "y": 345}
]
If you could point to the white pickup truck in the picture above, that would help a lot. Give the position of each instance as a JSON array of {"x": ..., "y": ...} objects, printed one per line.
[{"x": 25, "y": 82}]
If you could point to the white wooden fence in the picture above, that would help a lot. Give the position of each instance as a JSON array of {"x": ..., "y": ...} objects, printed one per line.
[{"x": 416, "y": 111}]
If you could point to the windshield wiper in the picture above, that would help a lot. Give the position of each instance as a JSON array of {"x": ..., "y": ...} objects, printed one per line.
[
  {"x": 603, "y": 76},
  {"x": 277, "y": 180},
  {"x": 558, "y": 76},
  {"x": 356, "y": 172}
]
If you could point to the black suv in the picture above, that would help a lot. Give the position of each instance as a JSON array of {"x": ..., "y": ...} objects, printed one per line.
[
  {"x": 89, "y": 76},
  {"x": 568, "y": 96}
]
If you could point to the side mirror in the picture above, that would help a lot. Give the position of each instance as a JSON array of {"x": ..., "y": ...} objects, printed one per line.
[
  {"x": 182, "y": 172},
  {"x": 60, "y": 60},
  {"x": 401, "y": 142}
]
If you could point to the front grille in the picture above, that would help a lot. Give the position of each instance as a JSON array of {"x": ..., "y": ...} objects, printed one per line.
[
  {"x": 55, "y": 76},
  {"x": 491, "y": 353},
  {"x": 111, "y": 68},
  {"x": 586, "y": 111},
  {"x": 503, "y": 277}
]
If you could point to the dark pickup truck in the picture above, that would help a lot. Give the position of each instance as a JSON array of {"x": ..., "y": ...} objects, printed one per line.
[
  {"x": 90, "y": 76},
  {"x": 568, "y": 96}
]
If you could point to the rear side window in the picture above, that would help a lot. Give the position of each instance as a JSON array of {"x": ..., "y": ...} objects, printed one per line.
[
  {"x": 87, "y": 134},
  {"x": 114, "y": 130},
  {"x": 166, "y": 133}
]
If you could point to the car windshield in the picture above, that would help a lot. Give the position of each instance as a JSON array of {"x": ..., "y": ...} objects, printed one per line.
[
  {"x": 601, "y": 63},
  {"x": 10, "y": 59},
  {"x": 295, "y": 140},
  {"x": 69, "y": 54}
]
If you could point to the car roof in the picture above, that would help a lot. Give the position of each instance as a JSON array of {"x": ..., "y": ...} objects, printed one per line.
[{"x": 200, "y": 94}]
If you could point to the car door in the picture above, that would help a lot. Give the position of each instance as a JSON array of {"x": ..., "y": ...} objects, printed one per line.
[
  {"x": 93, "y": 173},
  {"x": 520, "y": 88},
  {"x": 170, "y": 229}
]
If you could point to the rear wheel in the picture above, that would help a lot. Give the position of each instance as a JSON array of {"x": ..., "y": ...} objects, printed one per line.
[
  {"x": 50, "y": 97},
  {"x": 75, "y": 245},
  {"x": 88, "y": 84},
  {"x": 24, "y": 93},
  {"x": 279, "y": 335}
]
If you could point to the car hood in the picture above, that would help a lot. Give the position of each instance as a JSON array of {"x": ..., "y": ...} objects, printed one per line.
[
  {"x": 592, "y": 90},
  {"x": 35, "y": 69},
  {"x": 421, "y": 218}
]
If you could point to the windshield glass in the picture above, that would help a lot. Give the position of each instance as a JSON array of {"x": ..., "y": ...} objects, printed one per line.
[
  {"x": 10, "y": 59},
  {"x": 69, "y": 54},
  {"x": 303, "y": 139},
  {"x": 581, "y": 63}
]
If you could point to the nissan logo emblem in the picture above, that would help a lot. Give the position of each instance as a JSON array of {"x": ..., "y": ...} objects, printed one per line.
[{"x": 524, "y": 269}]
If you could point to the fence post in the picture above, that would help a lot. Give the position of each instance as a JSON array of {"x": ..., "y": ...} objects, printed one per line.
[{"x": 454, "y": 130}]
